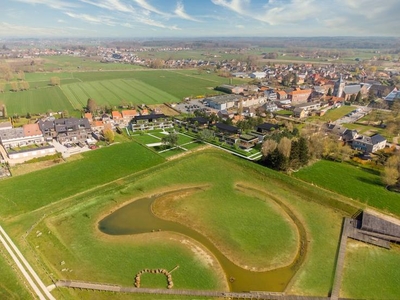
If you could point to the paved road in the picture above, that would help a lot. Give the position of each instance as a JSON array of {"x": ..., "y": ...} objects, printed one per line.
[{"x": 39, "y": 288}]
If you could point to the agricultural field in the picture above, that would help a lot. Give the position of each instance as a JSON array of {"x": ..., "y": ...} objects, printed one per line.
[
  {"x": 136, "y": 86},
  {"x": 357, "y": 182},
  {"x": 70, "y": 63},
  {"x": 114, "y": 92},
  {"x": 39, "y": 100}
]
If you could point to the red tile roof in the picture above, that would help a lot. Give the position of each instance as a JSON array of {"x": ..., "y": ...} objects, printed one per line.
[
  {"x": 31, "y": 129},
  {"x": 116, "y": 114}
]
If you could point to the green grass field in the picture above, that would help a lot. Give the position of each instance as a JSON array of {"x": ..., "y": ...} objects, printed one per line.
[
  {"x": 368, "y": 272},
  {"x": 96, "y": 168},
  {"x": 114, "y": 92},
  {"x": 358, "y": 183},
  {"x": 136, "y": 86},
  {"x": 39, "y": 100},
  {"x": 71, "y": 63}
]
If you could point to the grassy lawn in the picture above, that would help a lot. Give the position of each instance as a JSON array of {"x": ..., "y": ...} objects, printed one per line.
[
  {"x": 283, "y": 112},
  {"x": 371, "y": 272},
  {"x": 50, "y": 185},
  {"x": 11, "y": 285},
  {"x": 334, "y": 114},
  {"x": 146, "y": 139},
  {"x": 35, "y": 101},
  {"x": 361, "y": 184}
]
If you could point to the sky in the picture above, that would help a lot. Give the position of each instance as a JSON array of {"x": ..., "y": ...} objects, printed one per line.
[{"x": 198, "y": 18}]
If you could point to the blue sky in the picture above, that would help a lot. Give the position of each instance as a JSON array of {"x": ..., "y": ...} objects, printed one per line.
[{"x": 198, "y": 18}]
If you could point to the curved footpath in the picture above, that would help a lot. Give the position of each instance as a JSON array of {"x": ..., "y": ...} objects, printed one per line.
[{"x": 38, "y": 287}]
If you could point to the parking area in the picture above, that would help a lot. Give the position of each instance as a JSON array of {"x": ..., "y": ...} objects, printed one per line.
[
  {"x": 192, "y": 105},
  {"x": 354, "y": 115}
]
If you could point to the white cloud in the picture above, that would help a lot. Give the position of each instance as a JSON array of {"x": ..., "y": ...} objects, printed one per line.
[
  {"x": 335, "y": 17},
  {"x": 180, "y": 12},
  {"x": 7, "y": 29},
  {"x": 239, "y": 26},
  {"x": 56, "y": 4},
  {"x": 145, "y": 5},
  {"x": 114, "y": 5},
  {"x": 60, "y": 21},
  {"x": 92, "y": 19},
  {"x": 237, "y": 6}
]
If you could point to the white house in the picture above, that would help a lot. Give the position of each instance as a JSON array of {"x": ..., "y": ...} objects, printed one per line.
[{"x": 257, "y": 75}]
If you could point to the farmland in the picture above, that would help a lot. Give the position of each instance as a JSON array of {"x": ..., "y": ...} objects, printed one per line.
[
  {"x": 35, "y": 101},
  {"x": 111, "y": 88},
  {"x": 114, "y": 92}
]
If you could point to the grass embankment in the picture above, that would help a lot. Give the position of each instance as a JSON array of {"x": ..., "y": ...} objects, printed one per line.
[
  {"x": 371, "y": 272},
  {"x": 32, "y": 191},
  {"x": 357, "y": 182},
  {"x": 11, "y": 284}
]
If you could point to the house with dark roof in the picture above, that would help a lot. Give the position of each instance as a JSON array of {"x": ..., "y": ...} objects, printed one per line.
[
  {"x": 380, "y": 90},
  {"x": 369, "y": 144},
  {"x": 267, "y": 127},
  {"x": 227, "y": 133},
  {"x": 200, "y": 122},
  {"x": 66, "y": 130},
  {"x": 150, "y": 122}
]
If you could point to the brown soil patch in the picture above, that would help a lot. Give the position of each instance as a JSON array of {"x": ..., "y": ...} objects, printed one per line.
[
  {"x": 201, "y": 148},
  {"x": 164, "y": 109}
]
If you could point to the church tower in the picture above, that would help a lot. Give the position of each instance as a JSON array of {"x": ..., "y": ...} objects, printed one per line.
[{"x": 339, "y": 87}]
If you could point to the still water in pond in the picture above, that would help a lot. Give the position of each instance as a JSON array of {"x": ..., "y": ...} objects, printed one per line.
[{"x": 137, "y": 217}]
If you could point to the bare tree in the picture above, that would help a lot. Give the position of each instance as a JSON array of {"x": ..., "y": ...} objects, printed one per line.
[
  {"x": 284, "y": 146},
  {"x": 21, "y": 75},
  {"x": 14, "y": 86},
  {"x": 390, "y": 176},
  {"x": 55, "y": 80},
  {"x": 91, "y": 105},
  {"x": 268, "y": 147}
]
